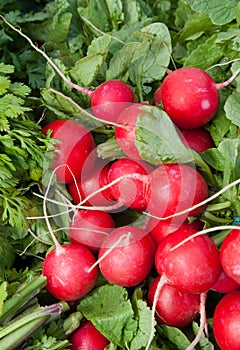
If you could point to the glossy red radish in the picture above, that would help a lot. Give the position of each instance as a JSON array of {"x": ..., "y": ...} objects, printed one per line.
[
  {"x": 67, "y": 271},
  {"x": 110, "y": 98},
  {"x": 173, "y": 188},
  {"x": 127, "y": 256},
  {"x": 87, "y": 337},
  {"x": 189, "y": 96},
  {"x": 193, "y": 266},
  {"x": 230, "y": 255},
  {"x": 95, "y": 180},
  {"x": 174, "y": 308},
  {"x": 125, "y": 136},
  {"x": 130, "y": 191},
  {"x": 75, "y": 149},
  {"x": 226, "y": 320},
  {"x": 197, "y": 139},
  {"x": 90, "y": 228}
]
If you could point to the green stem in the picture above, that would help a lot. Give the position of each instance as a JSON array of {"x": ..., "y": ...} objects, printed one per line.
[
  {"x": 22, "y": 297},
  {"x": 214, "y": 218},
  {"x": 109, "y": 150},
  {"x": 219, "y": 237},
  {"x": 41, "y": 313}
]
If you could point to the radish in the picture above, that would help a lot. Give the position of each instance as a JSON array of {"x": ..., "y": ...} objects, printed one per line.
[
  {"x": 226, "y": 320},
  {"x": 173, "y": 188},
  {"x": 67, "y": 271},
  {"x": 161, "y": 228},
  {"x": 174, "y": 308},
  {"x": 197, "y": 139},
  {"x": 109, "y": 99},
  {"x": 87, "y": 337},
  {"x": 194, "y": 266},
  {"x": 75, "y": 152},
  {"x": 189, "y": 96},
  {"x": 126, "y": 256},
  {"x": 225, "y": 284},
  {"x": 230, "y": 255},
  {"x": 130, "y": 192},
  {"x": 90, "y": 228},
  {"x": 125, "y": 136},
  {"x": 98, "y": 178}
]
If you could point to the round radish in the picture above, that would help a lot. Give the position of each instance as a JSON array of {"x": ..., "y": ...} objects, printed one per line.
[
  {"x": 75, "y": 150},
  {"x": 127, "y": 256},
  {"x": 174, "y": 308},
  {"x": 226, "y": 320},
  {"x": 230, "y": 255},
  {"x": 173, "y": 188},
  {"x": 130, "y": 192},
  {"x": 125, "y": 136},
  {"x": 90, "y": 228},
  {"x": 66, "y": 269},
  {"x": 87, "y": 337},
  {"x": 197, "y": 139},
  {"x": 110, "y": 98},
  {"x": 192, "y": 267},
  {"x": 85, "y": 187},
  {"x": 189, "y": 96}
]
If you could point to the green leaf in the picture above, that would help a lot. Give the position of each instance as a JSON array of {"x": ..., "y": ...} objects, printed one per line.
[
  {"x": 157, "y": 138},
  {"x": 4, "y": 84},
  {"x": 204, "y": 342},
  {"x": 220, "y": 12},
  {"x": 110, "y": 310},
  {"x": 195, "y": 26},
  {"x": 205, "y": 54},
  {"x": 7, "y": 255},
  {"x": 143, "y": 315},
  {"x": 232, "y": 106},
  {"x": 6, "y": 68},
  {"x": 175, "y": 335},
  {"x": 3, "y": 294}
]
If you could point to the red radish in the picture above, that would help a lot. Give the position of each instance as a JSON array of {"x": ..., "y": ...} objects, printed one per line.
[
  {"x": 67, "y": 271},
  {"x": 174, "y": 308},
  {"x": 225, "y": 284},
  {"x": 110, "y": 98},
  {"x": 189, "y": 96},
  {"x": 173, "y": 188},
  {"x": 192, "y": 267},
  {"x": 161, "y": 228},
  {"x": 130, "y": 191},
  {"x": 76, "y": 149},
  {"x": 127, "y": 256},
  {"x": 87, "y": 337},
  {"x": 197, "y": 139},
  {"x": 226, "y": 320},
  {"x": 230, "y": 255},
  {"x": 125, "y": 136},
  {"x": 90, "y": 228},
  {"x": 85, "y": 187}
]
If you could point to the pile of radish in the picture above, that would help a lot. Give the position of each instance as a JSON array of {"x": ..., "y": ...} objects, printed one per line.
[
  {"x": 183, "y": 265},
  {"x": 169, "y": 253}
]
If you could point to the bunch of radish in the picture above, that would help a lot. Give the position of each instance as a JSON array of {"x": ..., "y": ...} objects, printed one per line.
[{"x": 182, "y": 262}]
